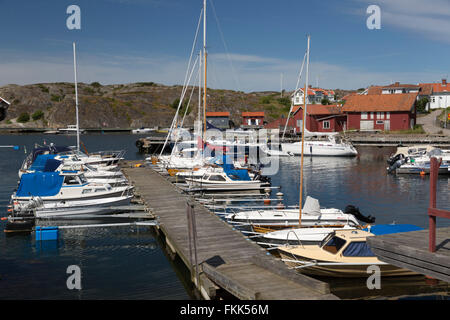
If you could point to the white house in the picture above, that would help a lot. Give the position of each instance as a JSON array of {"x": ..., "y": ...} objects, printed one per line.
[
  {"x": 398, "y": 88},
  {"x": 315, "y": 96},
  {"x": 440, "y": 97}
]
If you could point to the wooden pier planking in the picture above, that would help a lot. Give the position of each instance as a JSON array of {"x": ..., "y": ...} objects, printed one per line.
[
  {"x": 410, "y": 250},
  {"x": 246, "y": 270}
]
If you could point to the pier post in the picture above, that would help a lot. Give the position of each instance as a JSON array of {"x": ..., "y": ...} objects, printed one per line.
[
  {"x": 434, "y": 167},
  {"x": 192, "y": 237}
]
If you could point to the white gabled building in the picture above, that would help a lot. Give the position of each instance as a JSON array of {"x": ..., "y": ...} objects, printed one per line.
[
  {"x": 315, "y": 96},
  {"x": 440, "y": 95}
]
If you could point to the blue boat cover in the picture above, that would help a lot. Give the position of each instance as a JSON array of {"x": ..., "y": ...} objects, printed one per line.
[
  {"x": 40, "y": 161},
  {"x": 39, "y": 184},
  {"x": 49, "y": 149},
  {"x": 51, "y": 165},
  {"x": 358, "y": 249},
  {"x": 391, "y": 228}
]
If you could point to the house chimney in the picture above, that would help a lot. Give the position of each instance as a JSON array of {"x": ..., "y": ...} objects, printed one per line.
[
  {"x": 310, "y": 86},
  {"x": 397, "y": 83},
  {"x": 444, "y": 82}
]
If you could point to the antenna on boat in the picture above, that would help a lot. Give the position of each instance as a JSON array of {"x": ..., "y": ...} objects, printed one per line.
[
  {"x": 76, "y": 94},
  {"x": 303, "y": 134}
]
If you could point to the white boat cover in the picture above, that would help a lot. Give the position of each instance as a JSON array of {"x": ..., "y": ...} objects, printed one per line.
[{"x": 311, "y": 206}]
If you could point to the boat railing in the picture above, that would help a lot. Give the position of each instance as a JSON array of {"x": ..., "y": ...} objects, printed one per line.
[{"x": 295, "y": 234}]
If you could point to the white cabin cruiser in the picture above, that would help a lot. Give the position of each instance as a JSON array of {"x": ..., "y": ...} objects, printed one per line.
[
  {"x": 71, "y": 209},
  {"x": 67, "y": 186},
  {"x": 419, "y": 162},
  {"x": 312, "y": 215},
  {"x": 321, "y": 144}
]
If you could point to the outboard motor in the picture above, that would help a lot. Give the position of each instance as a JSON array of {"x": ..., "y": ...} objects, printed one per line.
[
  {"x": 350, "y": 209},
  {"x": 395, "y": 162}
]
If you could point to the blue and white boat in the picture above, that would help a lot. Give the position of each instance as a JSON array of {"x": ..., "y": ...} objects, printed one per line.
[{"x": 63, "y": 186}]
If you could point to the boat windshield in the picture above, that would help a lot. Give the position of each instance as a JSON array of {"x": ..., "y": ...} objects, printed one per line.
[
  {"x": 358, "y": 249},
  {"x": 83, "y": 179},
  {"x": 334, "y": 244}
]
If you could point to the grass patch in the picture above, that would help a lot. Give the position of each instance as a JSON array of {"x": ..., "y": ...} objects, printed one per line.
[{"x": 416, "y": 130}]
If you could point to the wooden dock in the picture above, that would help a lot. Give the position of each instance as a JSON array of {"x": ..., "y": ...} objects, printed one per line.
[
  {"x": 410, "y": 250},
  {"x": 226, "y": 260}
]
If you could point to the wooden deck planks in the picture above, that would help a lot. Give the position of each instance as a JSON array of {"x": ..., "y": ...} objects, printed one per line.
[
  {"x": 410, "y": 250},
  {"x": 245, "y": 270}
]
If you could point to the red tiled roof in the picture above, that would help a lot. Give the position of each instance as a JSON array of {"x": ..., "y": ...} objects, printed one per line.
[
  {"x": 217, "y": 114},
  {"x": 439, "y": 87},
  {"x": 426, "y": 88},
  {"x": 380, "y": 102},
  {"x": 253, "y": 114},
  {"x": 374, "y": 90},
  {"x": 319, "y": 109}
]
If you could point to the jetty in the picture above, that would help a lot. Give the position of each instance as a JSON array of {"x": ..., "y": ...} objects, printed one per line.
[
  {"x": 427, "y": 251},
  {"x": 219, "y": 257}
]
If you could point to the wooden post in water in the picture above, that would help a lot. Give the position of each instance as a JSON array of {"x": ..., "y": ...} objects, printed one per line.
[
  {"x": 434, "y": 167},
  {"x": 192, "y": 237}
]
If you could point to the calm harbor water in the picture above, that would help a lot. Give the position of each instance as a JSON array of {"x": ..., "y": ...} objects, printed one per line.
[{"x": 131, "y": 263}]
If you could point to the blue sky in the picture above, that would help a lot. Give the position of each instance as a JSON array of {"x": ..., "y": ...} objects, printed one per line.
[{"x": 253, "y": 44}]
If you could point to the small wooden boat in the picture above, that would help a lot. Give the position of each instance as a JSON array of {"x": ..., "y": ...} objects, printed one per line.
[{"x": 344, "y": 253}]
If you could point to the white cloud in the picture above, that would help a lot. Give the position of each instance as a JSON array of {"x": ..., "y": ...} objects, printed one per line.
[
  {"x": 430, "y": 18},
  {"x": 243, "y": 73}
]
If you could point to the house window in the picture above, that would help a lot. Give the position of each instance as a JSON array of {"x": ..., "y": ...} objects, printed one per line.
[
  {"x": 371, "y": 115},
  {"x": 363, "y": 115},
  {"x": 380, "y": 115},
  {"x": 388, "y": 115},
  {"x": 326, "y": 124}
]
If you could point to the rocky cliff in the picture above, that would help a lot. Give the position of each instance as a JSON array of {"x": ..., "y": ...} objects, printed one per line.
[{"x": 144, "y": 104}]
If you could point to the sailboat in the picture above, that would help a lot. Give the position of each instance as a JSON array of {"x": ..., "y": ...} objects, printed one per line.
[{"x": 312, "y": 215}]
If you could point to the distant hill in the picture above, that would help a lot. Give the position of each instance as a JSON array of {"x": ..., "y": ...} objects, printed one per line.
[{"x": 142, "y": 104}]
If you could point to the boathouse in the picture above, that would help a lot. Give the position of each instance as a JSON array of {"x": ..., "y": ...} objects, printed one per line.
[
  {"x": 219, "y": 120},
  {"x": 252, "y": 120},
  {"x": 382, "y": 112}
]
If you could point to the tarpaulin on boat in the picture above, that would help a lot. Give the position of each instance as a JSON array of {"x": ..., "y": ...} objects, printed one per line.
[
  {"x": 39, "y": 184},
  {"x": 40, "y": 161},
  {"x": 49, "y": 150},
  {"x": 51, "y": 165},
  {"x": 391, "y": 228},
  {"x": 358, "y": 249}
]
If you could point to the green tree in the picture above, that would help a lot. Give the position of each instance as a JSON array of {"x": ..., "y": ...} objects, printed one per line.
[
  {"x": 422, "y": 104},
  {"x": 325, "y": 101}
]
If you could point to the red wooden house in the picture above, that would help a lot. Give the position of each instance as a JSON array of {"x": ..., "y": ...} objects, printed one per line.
[
  {"x": 381, "y": 112},
  {"x": 253, "y": 120},
  {"x": 319, "y": 118}
]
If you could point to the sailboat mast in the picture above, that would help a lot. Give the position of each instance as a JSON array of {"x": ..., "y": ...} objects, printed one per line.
[
  {"x": 204, "y": 63},
  {"x": 303, "y": 135},
  {"x": 76, "y": 95}
]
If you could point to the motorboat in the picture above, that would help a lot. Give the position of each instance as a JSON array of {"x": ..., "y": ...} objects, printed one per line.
[
  {"x": 321, "y": 144},
  {"x": 419, "y": 162},
  {"x": 70, "y": 129},
  {"x": 64, "y": 186},
  {"x": 229, "y": 178},
  {"x": 39, "y": 209},
  {"x": 343, "y": 253},
  {"x": 143, "y": 130},
  {"x": 298, "y": 236},
  {"x": 312, "y": 215}
]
